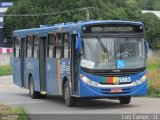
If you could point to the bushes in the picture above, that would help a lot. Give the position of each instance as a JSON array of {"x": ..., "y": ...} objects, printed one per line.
[
  {"x": 5, "y": 70},
  {"x": 12, "y": 113},
  {"x": 153, "y": 77},
  {"x": 154, "y": 83}
]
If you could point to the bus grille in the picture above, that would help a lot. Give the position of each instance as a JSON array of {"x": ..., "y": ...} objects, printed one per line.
[{"x": 116, "y": 74}]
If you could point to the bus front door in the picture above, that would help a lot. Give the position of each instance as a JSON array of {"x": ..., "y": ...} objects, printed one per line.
[{"x": 74, "y": 67}]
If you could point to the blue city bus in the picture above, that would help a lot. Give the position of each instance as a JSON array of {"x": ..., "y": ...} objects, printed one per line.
[{"x": 87, "y": 59}]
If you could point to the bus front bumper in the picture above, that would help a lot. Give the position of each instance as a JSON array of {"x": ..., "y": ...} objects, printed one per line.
[{"x": 126, "y": 90}]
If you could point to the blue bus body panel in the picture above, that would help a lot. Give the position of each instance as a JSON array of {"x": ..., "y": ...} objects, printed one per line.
[
  {"x": 90, "y": 91},
  {"x": 16, "y": 71},
  {"x": 55, "y": 74},
  {"x": 51, "y": 76},
  {"x": 65, "y": 69},
  {"x": 32, "y": 66},
  {"x": 41, "y": 31}
]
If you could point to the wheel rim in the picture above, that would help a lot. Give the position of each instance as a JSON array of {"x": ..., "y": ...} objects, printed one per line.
[
  {"x": 67, "y": 94},
  {"x": 31, "y": 88}
]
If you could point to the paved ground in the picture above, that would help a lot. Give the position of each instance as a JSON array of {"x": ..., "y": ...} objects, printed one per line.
[{"x": 13, "y": 95}]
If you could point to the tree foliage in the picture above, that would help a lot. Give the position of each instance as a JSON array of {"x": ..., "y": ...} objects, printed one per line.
[
  {"x": 149, "y": 4},
  {"x": 152, "y": 25},
  {"x": 44, "y": 12}
]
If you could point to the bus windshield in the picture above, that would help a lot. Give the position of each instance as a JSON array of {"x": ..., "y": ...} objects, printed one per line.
[{"x": 101, "y": 53}]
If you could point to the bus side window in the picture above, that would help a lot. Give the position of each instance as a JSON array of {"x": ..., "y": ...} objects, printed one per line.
[
  {"x": 29, "y": 44},
  {"x": 58, "y": 46},
  {"x": 17, "y": 47},
  {"x": 50, "y": 46},
  {"x": 66, "y": 45},
  {"x": 35, "y": 46}
]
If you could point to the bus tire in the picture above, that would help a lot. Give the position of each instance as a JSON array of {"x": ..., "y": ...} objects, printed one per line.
[
  {"x": 33, "y": 94},
  {"x": 69, "y": 101},
  {"x": 125, "y": 100}
]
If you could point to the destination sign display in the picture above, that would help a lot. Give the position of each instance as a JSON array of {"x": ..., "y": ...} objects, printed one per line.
[{"x": 112, "y": 29}]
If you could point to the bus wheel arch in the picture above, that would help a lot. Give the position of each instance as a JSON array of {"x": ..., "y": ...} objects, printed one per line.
[
  {"x": 32, "y": 93},
  {"x": 68, "y": 99},
  {"x": 65, "y": 79},
  {"x": 29, "y": 76}
]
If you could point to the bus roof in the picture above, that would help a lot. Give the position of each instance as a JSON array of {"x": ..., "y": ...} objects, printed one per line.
[{"x": 67, "y": 27}]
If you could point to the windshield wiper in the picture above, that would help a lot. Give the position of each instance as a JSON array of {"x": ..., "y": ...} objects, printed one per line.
[
  {"x": 123, "y": 47},
  {"x": 104, "y": 48}
]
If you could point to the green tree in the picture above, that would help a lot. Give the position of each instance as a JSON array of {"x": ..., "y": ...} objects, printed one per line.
[
  {"x": 152, "y": 26},
  {"x": 149, "y": 4},
  {"x": 146, "y": 4},
  {"x": 103, "y": 9}
]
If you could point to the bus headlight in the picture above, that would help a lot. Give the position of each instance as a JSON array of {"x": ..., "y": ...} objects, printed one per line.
[
  {"x": 88, "y": 81},
  {"x": 140, "y": 81}
]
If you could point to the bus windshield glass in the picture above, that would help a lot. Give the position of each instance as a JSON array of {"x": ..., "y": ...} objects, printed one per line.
[{"x": 106, "y": 53}]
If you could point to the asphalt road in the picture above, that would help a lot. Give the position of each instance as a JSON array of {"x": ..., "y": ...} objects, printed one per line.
[{"x": 13, "y": 95}]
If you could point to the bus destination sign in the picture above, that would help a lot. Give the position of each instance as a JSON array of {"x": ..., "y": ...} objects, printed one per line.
[{"x": 112, "y": 29}]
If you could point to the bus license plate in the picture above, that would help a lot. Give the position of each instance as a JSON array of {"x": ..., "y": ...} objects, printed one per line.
[{"x": 116, "y": 90}]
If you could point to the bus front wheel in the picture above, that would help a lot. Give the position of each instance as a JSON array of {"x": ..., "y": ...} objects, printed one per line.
[
  {"x": 33, "y": 94},
  {"x": 69, "y": 101},
  {"x": 125, "y": 100}
]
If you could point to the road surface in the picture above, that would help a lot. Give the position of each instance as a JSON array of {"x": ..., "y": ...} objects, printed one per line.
[{"x": 13, "y": 95}]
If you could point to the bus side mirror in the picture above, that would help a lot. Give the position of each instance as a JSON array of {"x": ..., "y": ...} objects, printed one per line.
[
  {"x": 78, "y": 43},
  {"x": 147, "y": 46}
]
